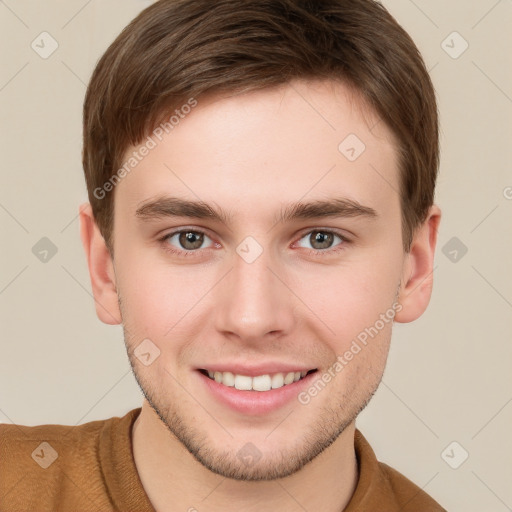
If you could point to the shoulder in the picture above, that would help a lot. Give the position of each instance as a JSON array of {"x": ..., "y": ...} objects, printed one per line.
[
  {"x": 380, "y": 487},
  {"x": 25, "y": 450},
  {"x": 408, "y": 495},
  {"x": 43, "y": 466}
]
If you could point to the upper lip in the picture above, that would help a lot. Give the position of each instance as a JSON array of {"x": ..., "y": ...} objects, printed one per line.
[{"x": 257, "y": 369}]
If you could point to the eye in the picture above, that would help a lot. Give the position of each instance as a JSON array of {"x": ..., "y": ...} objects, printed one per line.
[
  {"x": 322, "y": 239},
  {"x": 185, "y": 240}
]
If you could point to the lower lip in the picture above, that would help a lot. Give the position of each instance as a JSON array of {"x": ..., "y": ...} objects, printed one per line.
[{"x": 255, "y": 402}]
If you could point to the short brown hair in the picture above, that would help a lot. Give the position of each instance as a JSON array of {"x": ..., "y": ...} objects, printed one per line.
[{"x": 178, "y": 49}]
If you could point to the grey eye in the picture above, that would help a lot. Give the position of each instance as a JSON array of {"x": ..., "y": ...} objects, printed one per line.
[
  {"x": 320, "y": 239},
  {"x": 188, "y": 240}
]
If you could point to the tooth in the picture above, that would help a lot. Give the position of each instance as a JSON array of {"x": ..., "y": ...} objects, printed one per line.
[
  {"x": 289, "y": 378},
  {"x": 243, "y": 382},
  {"x": 262, "y": 383},
  {"x": 228, "y": 379},
  {"x": 277, "y": 381}
]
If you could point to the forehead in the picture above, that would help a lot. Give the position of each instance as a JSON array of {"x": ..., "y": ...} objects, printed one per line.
[{"x": 269, "y": 147}]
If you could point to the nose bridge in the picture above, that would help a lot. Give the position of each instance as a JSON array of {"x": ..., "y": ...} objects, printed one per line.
[{"x": 254, "y": 302}]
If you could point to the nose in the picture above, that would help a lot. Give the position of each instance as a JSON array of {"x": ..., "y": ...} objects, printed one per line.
[{"x": 254, "y": 301}]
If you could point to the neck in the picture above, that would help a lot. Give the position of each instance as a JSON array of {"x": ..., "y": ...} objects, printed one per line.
[{"x": 174, "y": 480}]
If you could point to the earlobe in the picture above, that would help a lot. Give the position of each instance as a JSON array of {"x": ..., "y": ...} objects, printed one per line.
[
  {"x": 418, "y": 269},
  {"x": 101, "y": 268}
]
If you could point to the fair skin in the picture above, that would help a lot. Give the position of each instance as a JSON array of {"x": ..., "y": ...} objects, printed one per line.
[{"x": 301, "y": 302}]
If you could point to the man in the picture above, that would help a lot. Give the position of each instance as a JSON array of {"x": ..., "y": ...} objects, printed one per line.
[{"x": 261, "y": 179}]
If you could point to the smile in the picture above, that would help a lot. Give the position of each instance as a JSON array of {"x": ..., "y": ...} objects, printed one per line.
[{"x": 264, "y": 382}]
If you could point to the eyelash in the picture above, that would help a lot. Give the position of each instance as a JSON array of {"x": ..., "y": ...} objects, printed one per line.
[{"x": 312, "y": 252}]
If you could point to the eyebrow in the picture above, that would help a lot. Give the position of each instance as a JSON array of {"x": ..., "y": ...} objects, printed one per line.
[{"x": 176, "y": 207}]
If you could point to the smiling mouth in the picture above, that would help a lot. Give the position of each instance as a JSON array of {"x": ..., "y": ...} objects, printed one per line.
[{"x": 265, "y": 382}]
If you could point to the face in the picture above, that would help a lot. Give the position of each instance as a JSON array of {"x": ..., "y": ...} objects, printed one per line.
[{"x": 262, "y": 286}]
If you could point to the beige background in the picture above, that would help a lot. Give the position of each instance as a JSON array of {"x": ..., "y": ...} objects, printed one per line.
[{"x": 448, "y": 375}]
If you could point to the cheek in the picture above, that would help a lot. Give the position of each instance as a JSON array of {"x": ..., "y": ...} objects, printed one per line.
[
  {"x": 160, "y": 300},
  {"x": 362, "y": 358},
  {"x": 349, "y": 298},
  {"x": 146, "y": 291}
]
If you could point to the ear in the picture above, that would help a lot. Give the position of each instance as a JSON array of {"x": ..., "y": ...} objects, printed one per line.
[
  {"x": 418, "y": 269},
  {"x": 101, "y": 268}
]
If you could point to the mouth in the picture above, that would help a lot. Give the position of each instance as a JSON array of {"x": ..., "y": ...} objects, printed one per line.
[{"x": 264, "y": 382}]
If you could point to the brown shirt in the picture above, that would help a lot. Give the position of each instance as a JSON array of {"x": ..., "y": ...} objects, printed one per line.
[{"x": 90, "y": 467}]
